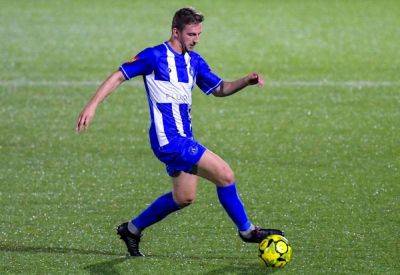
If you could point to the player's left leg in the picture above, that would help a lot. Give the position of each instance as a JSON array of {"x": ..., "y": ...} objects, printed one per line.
[{"x": 216, "y": 170}]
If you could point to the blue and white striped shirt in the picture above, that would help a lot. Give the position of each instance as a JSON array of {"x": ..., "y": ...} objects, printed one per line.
[{"x": 169, "y": 79}]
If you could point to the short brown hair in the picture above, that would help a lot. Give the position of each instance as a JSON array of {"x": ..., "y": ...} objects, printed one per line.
[{"x": 186, "y": 16}]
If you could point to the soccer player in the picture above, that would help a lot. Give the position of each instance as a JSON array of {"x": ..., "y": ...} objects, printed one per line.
[{"x": 170, "y": 71}]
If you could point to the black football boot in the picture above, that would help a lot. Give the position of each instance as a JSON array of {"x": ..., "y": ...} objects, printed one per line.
[
  {"x": 131, "y": 240},
  {"x": 258, "y": 234}
]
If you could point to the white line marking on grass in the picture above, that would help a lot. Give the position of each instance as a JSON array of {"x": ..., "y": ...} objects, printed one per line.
[
  {"x": 331, "y": 83},
  {"x": 138, "y": 83},
  {"x": 55, "y": 84}
]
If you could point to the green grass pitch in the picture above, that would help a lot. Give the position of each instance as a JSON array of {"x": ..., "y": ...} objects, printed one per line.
[{"x": 316, "y": 152}]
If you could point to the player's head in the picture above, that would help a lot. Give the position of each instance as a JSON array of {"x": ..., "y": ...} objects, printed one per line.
[
  {"x": 186, "y": 16},
  {"x": 186, "y": 27}
]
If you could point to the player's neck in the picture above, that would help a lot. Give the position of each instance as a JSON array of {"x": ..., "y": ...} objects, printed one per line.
[{"x": 175, "y": 45}]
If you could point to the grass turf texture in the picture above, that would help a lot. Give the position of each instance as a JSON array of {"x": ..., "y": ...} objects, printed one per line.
[{"x": 314, "y": 152}]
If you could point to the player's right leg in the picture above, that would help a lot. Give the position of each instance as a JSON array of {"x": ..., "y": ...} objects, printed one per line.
[
  {"x": 216, "y": 170},
  {"x": 183, "y": 194},
  {"x": 184, "y": 188}
]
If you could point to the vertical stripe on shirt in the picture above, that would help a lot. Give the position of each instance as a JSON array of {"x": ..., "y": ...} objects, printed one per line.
[
  {"x": 161, "y": 72},
  {"x": 184, "y": 113},
  {"x": 181, "y": 69},
  {"x": 159, "y": 125},
  {"x": 178, "y": 118},
  {"x": 190, "y": 71},
  {"x": 173, "y": 76}
]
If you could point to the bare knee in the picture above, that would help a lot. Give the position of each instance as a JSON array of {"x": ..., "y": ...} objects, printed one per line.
[
  {"x": 225, "y": 176},
  {"x": 184, "y": 200}
]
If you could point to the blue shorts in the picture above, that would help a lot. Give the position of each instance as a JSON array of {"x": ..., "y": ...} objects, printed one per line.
[{"x": 181, "y": 154}]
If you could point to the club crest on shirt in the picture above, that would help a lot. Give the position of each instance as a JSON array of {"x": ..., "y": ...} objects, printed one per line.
[{"x": 193, "y": 150}]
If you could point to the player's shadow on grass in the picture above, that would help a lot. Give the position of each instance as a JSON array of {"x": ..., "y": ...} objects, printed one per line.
[
  {"x": 54, "y": 250},
  {"x": 242, "y": 269},
  {"x": 108, "y": 267},
  {"x": 229, "y": 264},
  {"x": 105, "y": 267}
]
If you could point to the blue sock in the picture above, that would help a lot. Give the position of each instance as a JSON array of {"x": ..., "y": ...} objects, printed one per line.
[
  {"x": 158, "y": 210},
  {"x": 230, "y": 200}
]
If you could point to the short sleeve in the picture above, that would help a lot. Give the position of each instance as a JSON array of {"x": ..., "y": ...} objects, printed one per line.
[
  {"x": 141, "y": 64},
  {"x": 206, "y": 79}
]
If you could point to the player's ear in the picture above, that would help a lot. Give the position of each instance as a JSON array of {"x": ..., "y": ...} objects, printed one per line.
[{"x": 175, "y": 33}]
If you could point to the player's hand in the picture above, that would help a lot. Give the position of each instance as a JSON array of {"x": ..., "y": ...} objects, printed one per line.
[
  {"x": 85, "y": 117},
  {"x": 255, "y": 78}
]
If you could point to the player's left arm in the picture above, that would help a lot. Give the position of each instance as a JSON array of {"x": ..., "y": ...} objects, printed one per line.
[{"x": 230, "y": 87}]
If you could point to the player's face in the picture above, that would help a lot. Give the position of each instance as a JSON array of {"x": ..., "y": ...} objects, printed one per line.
[{"x": 189, "y": 36}]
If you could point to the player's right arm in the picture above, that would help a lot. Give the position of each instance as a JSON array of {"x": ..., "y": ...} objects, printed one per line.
[
  {"x": 141, "y": 64},
  {"x": 106, "y": 88}
]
